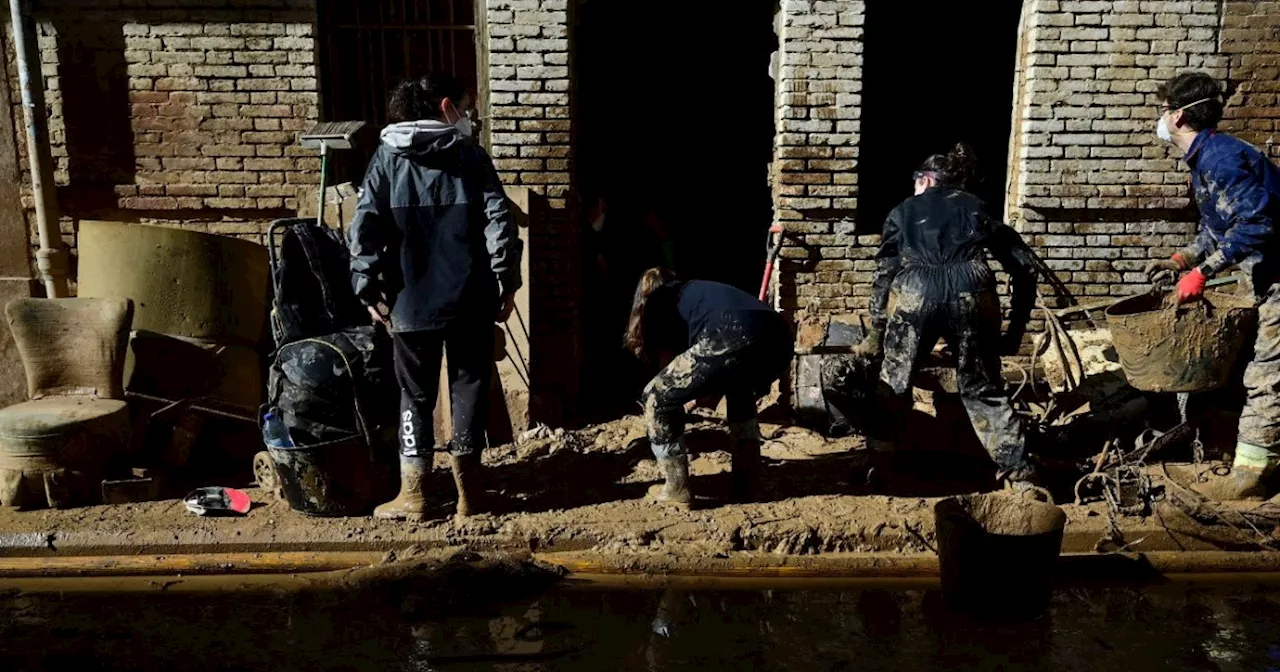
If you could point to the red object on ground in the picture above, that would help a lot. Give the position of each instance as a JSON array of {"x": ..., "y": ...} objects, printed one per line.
[{"x": 218, "y": 501}]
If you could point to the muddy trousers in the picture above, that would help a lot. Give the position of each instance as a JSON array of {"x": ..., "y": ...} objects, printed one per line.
[
  {"x": 740, "y": 370},
  {"x": 1259, "y": 434},
  {"x": 470, "y": 368},
  {"x": 971, "y": 326}
]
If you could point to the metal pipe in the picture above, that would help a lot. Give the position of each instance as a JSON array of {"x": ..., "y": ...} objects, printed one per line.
[
  {"x": 51, "y": 259},
  {"x": 1071, "y": 566}
]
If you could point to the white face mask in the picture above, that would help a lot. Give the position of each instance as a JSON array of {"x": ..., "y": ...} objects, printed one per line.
[
  {"x": 1162, "y": 129},
  {"x": 463, "y": 124}
]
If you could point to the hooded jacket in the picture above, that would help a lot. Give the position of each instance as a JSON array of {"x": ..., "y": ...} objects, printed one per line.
[{"x": 432, "y": 233}]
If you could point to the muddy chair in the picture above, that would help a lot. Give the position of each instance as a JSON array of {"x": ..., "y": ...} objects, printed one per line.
[{"x": 53, "y": 448}]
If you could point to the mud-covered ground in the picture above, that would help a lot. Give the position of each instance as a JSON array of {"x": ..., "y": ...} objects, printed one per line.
[{"x": 586, "y": 491}]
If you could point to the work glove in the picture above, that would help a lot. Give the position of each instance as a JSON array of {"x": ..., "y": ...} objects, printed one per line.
[
  {"x": 1191, "y": 286},
  {"x": 872, "y": 345},
  {"x": 1164, "y": 269}
]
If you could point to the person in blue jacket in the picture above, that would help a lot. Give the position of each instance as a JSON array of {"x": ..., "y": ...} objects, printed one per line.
[
  {"x": 435, "y": 256},
  {"x": 1237, "y": 189},
  {"x": 712, "y": 340}
]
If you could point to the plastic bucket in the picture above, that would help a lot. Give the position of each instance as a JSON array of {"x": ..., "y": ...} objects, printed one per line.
[
  {"x": 997, "y": 554},
  {"x": 335, "y": 478},
  {"x": 1190, "y": 348}
]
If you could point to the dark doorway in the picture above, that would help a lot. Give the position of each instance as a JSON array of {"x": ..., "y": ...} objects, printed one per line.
[
  {"x": 675, "y": 124},
  {"x": 935, "y": 72}
]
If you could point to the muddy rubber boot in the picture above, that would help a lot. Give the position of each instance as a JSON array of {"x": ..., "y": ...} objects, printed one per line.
[
  {"x": 410, "y": 504},
  {"x": 746, "y": 467},
  {"x": 469, "y": 481},
  {"x": 1250, "y": 478},
  {"x": 675, "y": 491}
]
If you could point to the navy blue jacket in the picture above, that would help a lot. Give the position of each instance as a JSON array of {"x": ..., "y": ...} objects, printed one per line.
[
  {"x": 432, "y": 233},
  {"x": 682, "y": 313},
  {"x": 1238, "y": 191}
]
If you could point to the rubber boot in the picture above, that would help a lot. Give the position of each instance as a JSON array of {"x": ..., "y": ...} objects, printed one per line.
[
  {"x": 746, "y": 466},
  {"x": 410, "y": 504},
  {"x": 468, "y": 479},
  {"x": 1250, "y": 477},
  {"x": 675, "y": 491}
]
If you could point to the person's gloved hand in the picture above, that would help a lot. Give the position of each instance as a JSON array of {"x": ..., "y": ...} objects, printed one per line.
[
  {"x": 872, "y": 345},
  {"x": 1191, "y": 286},
  {"x": 1164, "y": 269}
]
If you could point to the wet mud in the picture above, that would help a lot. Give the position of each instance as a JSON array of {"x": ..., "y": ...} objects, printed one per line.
[{"x": 585, "y": 491}]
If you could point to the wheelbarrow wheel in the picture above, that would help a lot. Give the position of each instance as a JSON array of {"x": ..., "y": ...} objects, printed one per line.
[{"x": 264, "y": 473}]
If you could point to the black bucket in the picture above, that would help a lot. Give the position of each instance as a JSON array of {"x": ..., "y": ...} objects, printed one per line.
[
  {"x": 997, "y": 554},
  {"x": 335, "y": 478}
]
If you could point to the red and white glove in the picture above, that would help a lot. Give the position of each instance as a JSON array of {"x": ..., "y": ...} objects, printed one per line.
[{"x": 1191, "y": 286}]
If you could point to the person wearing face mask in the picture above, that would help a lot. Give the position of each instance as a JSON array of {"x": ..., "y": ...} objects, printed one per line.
[
  {"x": 433, "y": 240},
  {"x": 933, "y": 282},
  {"x": 1237, "y": 190}
]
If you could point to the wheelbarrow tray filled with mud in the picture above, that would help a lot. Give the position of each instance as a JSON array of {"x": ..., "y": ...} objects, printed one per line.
[{"x": 1164, "y": 347}]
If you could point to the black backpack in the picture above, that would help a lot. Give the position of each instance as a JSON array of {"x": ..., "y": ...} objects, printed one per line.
[
  {"x": 331, "y": 375},
  {"x": 311, "y": 278}
]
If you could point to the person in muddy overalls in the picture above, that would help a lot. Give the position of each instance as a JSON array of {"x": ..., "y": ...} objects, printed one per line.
[
  {"x": 728, "y": 343},
  {"x": 933, "y": 282},
  {"x": 1238, "y": 192},
  {"x": 433, "y": 239}
]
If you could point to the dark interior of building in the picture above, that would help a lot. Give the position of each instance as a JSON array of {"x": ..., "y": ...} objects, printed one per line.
[
  {"x": 935, "y": 72},
  {"x": 675, "y": 124}
]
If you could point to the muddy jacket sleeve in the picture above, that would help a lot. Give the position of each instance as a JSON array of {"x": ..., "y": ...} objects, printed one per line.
[
  {"x": 1013, "y": 255},
  {"x": 890, "y": 262},
  {"x": 500, "y": 234},
  {"x": 371, "y": 234},
  {"x": 1242, "y": 204}
]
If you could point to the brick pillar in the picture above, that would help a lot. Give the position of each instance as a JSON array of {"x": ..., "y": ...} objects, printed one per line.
[
  {"x": 531, "y": 142},
  {"x": 825, "y": 268}
]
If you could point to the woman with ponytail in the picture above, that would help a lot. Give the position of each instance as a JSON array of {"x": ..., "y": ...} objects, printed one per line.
[
  {"x": 932, "y": 264},
  {"x": 712, "y": 340}
]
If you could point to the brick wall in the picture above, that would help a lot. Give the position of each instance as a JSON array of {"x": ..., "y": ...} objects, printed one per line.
[
  {"x": 529, "y": 94},
  {"x": 824, "y": 266},
  {"x": 177, "y": 113},
  {"x": 1095, "y": 192},
  {"x": 1251, "y": 42},
  {"x": 530, "y": 133},
  {"x": 1090, "y": 185}
]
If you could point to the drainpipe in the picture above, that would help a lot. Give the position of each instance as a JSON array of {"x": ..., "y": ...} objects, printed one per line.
[{"x": 51, "y": 259}]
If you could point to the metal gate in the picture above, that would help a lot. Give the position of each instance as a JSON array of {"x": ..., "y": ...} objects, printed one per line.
[{"x": 368, "y": 46}]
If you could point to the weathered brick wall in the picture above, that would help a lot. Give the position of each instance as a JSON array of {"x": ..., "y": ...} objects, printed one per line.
[
  {"x": 1091, "y": 187},
  {"x": 177, "y": 112},
  {"x": 530, "y": 100},
  {"x": 529, "y": 94},
  {"x": 824, "y": 267},
  {"x": 1095, "y": 191},
  {"x": 1251, "y": 42}
]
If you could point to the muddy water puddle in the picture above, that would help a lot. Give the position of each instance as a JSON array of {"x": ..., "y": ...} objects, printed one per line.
[{"x": 827, "y": 626}]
